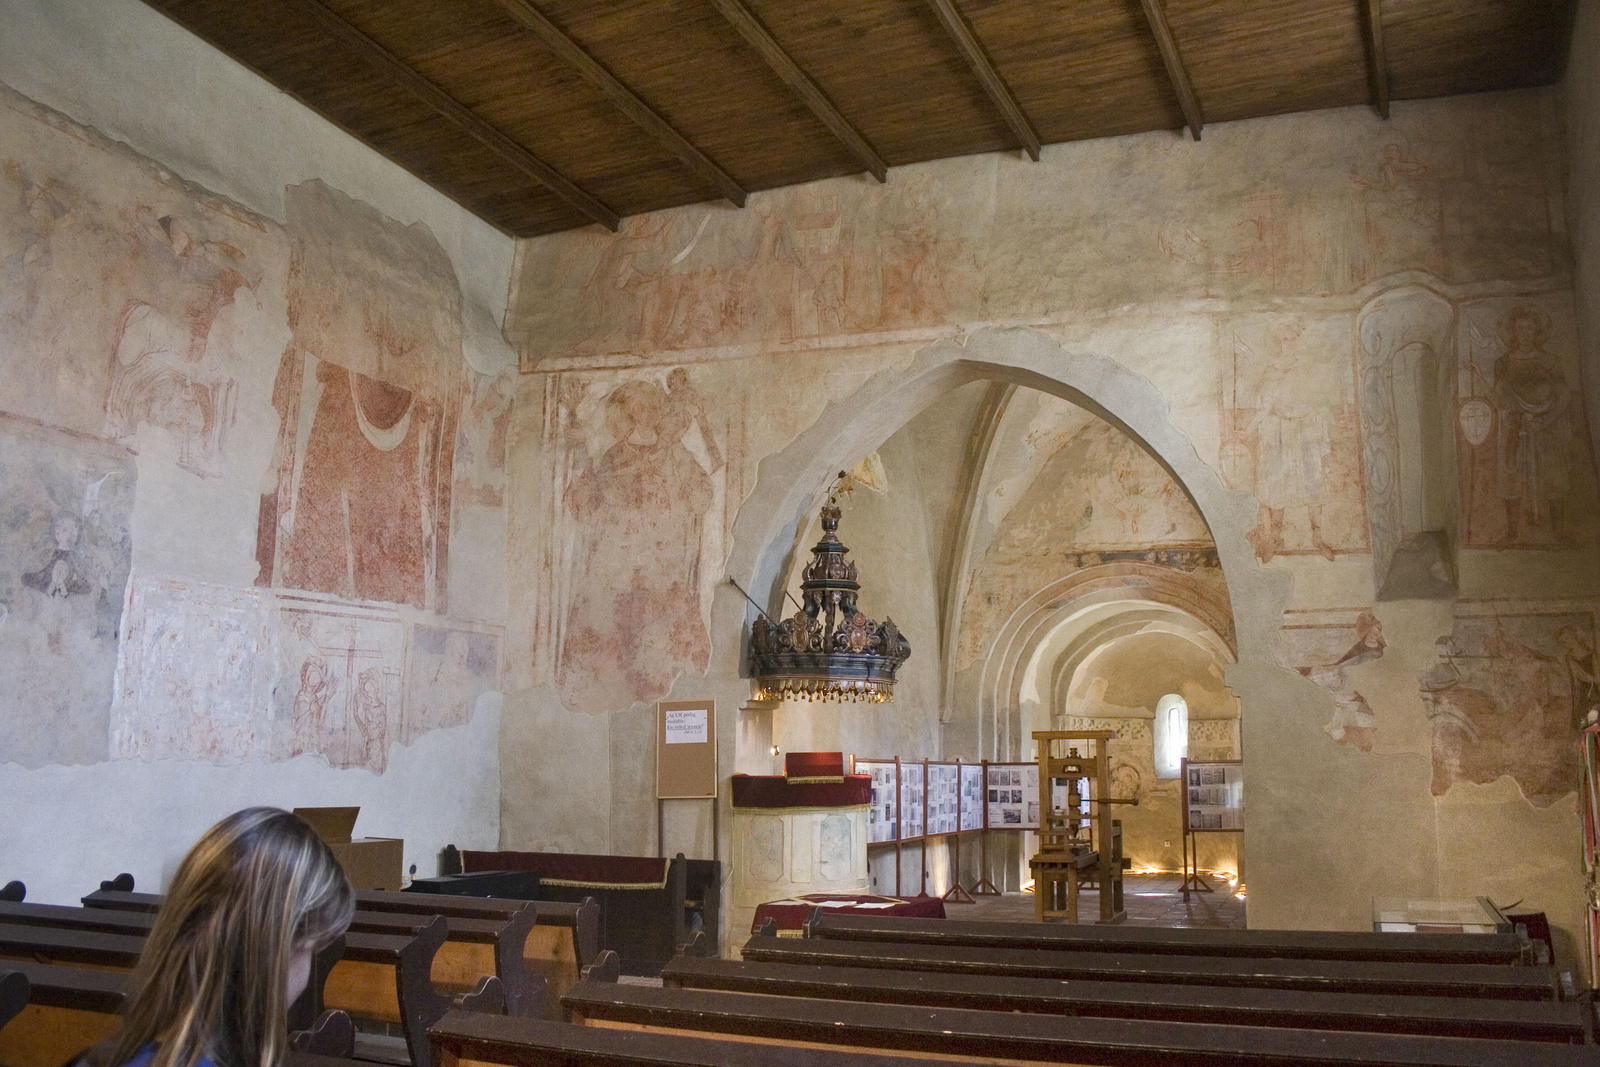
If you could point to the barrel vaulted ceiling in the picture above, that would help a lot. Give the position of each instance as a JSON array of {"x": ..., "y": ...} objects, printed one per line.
[{"x": 545, "y": 115}]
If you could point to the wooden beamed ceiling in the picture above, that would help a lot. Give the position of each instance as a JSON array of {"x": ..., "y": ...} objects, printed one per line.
[{"x": 545, "y": 115}]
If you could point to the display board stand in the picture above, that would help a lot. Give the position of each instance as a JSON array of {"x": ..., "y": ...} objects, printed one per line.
[
  {"x": 1221, "y": 781},
  {"x": 956, "y": 892},
  {"x": 686, "y": 760}
]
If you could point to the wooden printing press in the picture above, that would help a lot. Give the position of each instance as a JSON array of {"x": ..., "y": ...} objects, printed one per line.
[{"x": 1075, "y": 845}]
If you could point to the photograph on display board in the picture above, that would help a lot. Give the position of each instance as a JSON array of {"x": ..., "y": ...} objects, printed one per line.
[
  {"x": 911, "y": 800},
  {"x": 881, "y": 823},
  {"x": 972, "y": 798},
  {"x": 1215, "y": 796},
  {"x": 1013, "y": 796},
  {"x": 943, "y": 794}
]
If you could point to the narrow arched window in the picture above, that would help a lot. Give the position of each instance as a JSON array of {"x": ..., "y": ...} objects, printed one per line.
[{"x": 1171, "y": 734}]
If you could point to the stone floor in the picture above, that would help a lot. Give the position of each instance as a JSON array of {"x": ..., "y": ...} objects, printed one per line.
[{"x": 1149, "y": 899}]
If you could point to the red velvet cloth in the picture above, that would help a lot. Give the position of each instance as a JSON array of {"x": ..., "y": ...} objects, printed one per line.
[
  {"x": 568, "y": 868},
  {"x": 793, "y": 916},
  {"x": 774, "y": 791},
  {"x": 813, "y": 765}
]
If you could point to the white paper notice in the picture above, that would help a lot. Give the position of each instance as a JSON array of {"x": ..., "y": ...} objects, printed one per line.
[{"x": 687, "y": 726}]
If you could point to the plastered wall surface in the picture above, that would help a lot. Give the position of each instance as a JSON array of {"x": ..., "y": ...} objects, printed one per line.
[
  {"x": 254, "y": 405},
  {"x": 1582, "y": 98},
  {"x": 1352, "y": 344}
]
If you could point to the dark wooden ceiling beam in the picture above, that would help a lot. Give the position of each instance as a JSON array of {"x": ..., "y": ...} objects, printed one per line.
[
  {"x": 1155, "y": 13},
  {"x": 751, "y": 29},
  {"x": 458, "y": 113},
  {"x": 1377, "y": 59},
  {"x": 625, "y": 99},
  {"x": 966, "y": 40}
]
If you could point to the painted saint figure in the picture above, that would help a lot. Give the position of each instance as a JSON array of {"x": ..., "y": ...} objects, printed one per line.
[
  {"x": 61, "y": 576},
  {"x": 635, "y": 622},
  {"x": 1533, "y": 428},
  {"x": 1294, "y": 436},
  {"x": 157, "y": 376}
]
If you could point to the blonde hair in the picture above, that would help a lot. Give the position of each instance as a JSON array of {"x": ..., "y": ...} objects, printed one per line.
[{"x": 211, "y": 980}]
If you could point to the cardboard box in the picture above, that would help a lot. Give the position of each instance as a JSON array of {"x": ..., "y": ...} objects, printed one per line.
[{"x": 369, "y": 862}]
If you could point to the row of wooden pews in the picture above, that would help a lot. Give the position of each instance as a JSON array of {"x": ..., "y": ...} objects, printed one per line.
[
  {"x": 406, "y": 961},
  {"x": 1029, "y": 993}
]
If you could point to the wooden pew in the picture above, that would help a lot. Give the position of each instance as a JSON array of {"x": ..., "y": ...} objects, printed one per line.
[
  {"x": 464, "y": 1040},
  {"x": 71, "y": 1008},
  {"x": 1252, "y": 944},
  {"x": 1570, "y": 1023},
  {"x": 1012, "y": 1037},
  {"x": 643, "y": 922},
  {"x": 474, "y": 947},
  {"x": 1333, "y": 976},
  {"x": 378, "y": 976},
  {"x": 565, "y": 937}
]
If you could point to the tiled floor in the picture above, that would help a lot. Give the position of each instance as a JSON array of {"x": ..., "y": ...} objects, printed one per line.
[{"x": 1149, "y": 899}]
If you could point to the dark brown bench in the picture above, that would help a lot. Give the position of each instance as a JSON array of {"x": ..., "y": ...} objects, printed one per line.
[
  {"x": 649, "y": 906},
  {"x": 999, "y": 1036},
  {"x": 565, "y": 937},
  {"x": 473, "y": 947},
  {"x": 69, "y": 1009},
  {"x": 1520, "y": 1020},
  {"x": 462, "y": 1038},
  {"x": 1252, "y": 944},
  {"x": 1333, "y": 976},
  {"x": 377, "y": 976}
]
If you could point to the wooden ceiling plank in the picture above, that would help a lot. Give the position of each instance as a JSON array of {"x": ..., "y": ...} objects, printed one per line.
[
  {"x": 751, "y": 29},
  {"x": 966, "y": 40},
  {"x": 1155, "y": 13},
  {"x": 525, "y": 14},
  {"x": 1377, "y": 57},
  {"x": 459, "y": 114}
]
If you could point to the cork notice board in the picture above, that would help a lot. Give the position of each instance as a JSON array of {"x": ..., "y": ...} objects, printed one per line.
[{"x": 686, "y": 749}]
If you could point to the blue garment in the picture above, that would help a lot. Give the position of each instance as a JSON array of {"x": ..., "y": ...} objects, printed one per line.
[{"x": 148, "y": 1053}]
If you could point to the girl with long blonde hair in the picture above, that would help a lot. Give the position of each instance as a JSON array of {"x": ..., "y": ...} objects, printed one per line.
[{"x": 231, "y": 948}]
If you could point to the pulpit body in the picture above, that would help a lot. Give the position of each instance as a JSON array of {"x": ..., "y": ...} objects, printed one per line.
[{"x": 794, "y": 836}]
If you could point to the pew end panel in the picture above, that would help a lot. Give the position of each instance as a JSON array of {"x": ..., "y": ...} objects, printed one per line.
[{"x": 333, "y": 1034}]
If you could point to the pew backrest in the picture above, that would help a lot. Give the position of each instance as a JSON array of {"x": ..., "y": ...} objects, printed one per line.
[
  {"x": 1003, "y": 1036},
  {"x": 1442, "y": 1016},
  {"x": 1252, "y": 944},
  {"x": 1410, "y": 979}
]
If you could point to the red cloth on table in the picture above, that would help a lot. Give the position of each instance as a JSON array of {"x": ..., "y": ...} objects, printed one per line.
[
  {"x": 794, "y": 916},
  {"x": 775, "y": 791},
  {"x": 575, "y": 869}
]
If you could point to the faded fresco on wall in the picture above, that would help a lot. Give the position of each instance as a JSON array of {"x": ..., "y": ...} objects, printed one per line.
[
  {"x": 1292, "y": 436},
  {"x": 367, "y": 396},
  {"x": 638, "y": 529},
  {"x": 1460, "y": 191},
  {"x": 1522, "y": 442},
  {"x": 123, "y": 280},
  {"x": 485, "y": 422},
  {"x": 1326, "y": 647},
  {"x": 339, "y": 689},
  {"x": 196, "y": 675},
  {"x": 1505, "y": 695},
  {"x": 1098, "y": 498},
  {"x": 227, "y": 675},
  {"x": 65, "y": 552},
  {"x": 447, "y": 671}
]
